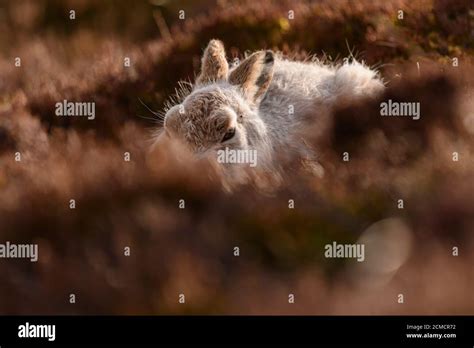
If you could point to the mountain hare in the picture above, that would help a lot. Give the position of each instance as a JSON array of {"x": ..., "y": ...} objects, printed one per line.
[{"x": 260, "y": 103}]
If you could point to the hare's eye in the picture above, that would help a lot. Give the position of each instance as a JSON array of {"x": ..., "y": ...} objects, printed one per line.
[{"x": 229, "y": 134}]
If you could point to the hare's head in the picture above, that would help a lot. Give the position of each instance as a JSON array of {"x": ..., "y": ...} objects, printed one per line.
[{"x": 222, "y": 109}]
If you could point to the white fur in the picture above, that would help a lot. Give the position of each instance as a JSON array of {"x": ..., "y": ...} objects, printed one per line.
[{"x": 309, "y": 86}]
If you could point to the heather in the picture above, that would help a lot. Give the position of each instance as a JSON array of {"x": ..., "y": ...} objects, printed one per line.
[{"x": 190, "y": 251}]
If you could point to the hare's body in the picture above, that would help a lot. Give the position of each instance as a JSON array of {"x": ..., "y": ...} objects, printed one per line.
[
  {"x": 261, "y": 103},
  {"x": 298, "y": 89}
]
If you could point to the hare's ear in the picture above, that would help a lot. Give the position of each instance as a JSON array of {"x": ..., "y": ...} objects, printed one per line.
[
  {"x": 214, "y": 65},
  {"x": 254, "y": 75}
]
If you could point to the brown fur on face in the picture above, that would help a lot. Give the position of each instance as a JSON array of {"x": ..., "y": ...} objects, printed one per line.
[{"x": 203, "y": 118}]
